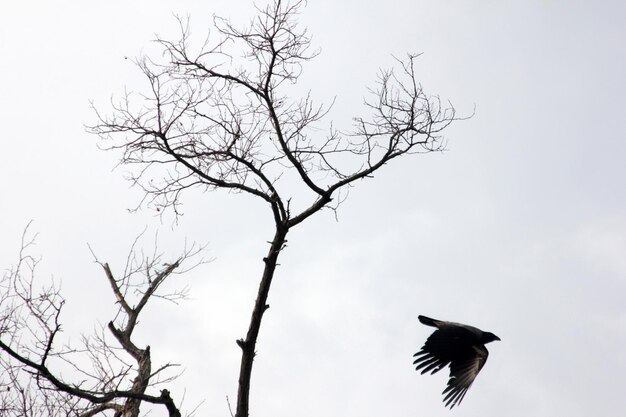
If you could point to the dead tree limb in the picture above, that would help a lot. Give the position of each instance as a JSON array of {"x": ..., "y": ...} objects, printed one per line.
[{"x": 31, "y": 357}]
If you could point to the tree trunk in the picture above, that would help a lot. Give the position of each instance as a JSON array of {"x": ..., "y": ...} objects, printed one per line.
[{"x": 260, "y": 305}]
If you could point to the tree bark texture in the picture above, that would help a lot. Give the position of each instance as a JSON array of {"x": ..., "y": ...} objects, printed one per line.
[{"x": 260, "y": 305}]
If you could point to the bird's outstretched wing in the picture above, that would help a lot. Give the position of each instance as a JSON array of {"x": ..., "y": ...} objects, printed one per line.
[
  {"x": 463, "y": 372},
  {"x": 455, "y": 346},
  {"x": 441, "y": 348},
  {"x": 434, "y": 355}
]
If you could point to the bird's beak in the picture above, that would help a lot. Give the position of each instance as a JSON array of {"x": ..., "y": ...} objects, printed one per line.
[{"x": 497, "y": 338}]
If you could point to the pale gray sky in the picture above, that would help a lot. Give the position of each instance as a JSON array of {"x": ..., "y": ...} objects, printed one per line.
[{"x": 518, "y": 228}]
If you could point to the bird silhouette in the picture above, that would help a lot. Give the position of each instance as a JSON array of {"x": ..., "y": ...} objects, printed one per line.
[{"x": 458, "y": 345}]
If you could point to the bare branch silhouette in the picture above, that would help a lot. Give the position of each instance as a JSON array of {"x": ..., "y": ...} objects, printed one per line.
[
  {"x": 219, "y": 117},
  {"x": 120, "y": 375}
]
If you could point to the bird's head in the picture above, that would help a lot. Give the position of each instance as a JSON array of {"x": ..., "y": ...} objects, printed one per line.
[{"x": 489, "y": 337}]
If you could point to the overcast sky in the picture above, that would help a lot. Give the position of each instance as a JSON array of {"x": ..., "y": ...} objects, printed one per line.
[{"x": 519, "y": 228}]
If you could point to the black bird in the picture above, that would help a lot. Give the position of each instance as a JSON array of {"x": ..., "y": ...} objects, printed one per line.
[{"x": 458, "y": 345}]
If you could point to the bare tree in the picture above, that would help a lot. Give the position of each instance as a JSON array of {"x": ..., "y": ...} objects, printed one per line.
[
  {"x": 114, "y": 376},
  {"x": 220, "y": 116}
]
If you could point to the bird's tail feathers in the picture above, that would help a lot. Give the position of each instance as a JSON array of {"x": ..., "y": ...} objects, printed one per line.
[{"x": 428, "y": 321}]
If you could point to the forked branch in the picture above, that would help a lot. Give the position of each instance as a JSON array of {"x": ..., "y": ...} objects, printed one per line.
[{"x": 30, "y": 355}]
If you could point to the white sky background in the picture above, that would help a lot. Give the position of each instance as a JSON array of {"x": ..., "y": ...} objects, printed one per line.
[{"x": 518, "y": 228}]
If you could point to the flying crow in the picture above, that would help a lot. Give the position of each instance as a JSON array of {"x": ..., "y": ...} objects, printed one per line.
[{"x": 458, "y": 345}]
